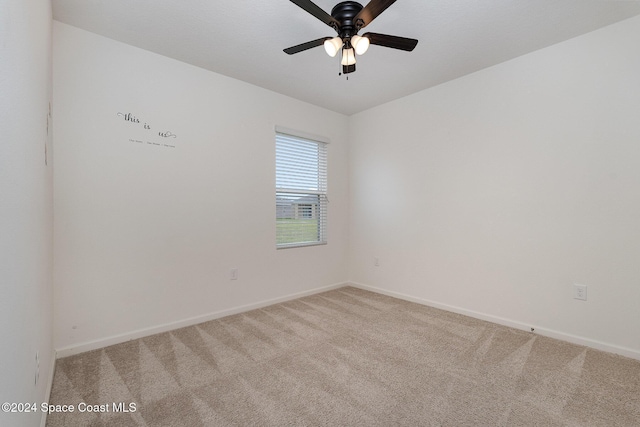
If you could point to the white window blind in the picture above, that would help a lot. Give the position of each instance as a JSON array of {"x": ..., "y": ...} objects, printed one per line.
[{"x": 301, "y": 191}]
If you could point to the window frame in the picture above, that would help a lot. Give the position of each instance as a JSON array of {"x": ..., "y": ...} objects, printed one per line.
[{"x": 320, "y": 213}]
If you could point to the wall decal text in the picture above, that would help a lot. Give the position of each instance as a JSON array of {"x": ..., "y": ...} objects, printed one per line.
[{"x": 128, "y": 117}]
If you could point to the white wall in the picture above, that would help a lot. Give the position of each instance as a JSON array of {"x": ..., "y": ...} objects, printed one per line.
[
  {"x": 495, "y": 193},
  {"x": 146, "y": 235},
  {"x": 491, "y": 194},
  {"x": 26, "y": 207}
]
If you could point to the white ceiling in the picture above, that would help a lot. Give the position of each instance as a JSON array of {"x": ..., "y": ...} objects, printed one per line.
[{"x": 244, "y": 39}]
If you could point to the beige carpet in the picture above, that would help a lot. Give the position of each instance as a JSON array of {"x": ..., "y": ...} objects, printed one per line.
[{"x": 349, "y": 357}]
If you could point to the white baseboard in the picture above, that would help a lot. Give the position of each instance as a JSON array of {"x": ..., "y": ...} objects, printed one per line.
[
  {"x": 140, "y": 333},
  {"x": 47, "y": 394},
  {"x": 574, "y": 339}
]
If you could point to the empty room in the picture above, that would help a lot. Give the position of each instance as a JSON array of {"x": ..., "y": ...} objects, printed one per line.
[{"x": 320, "y": 213}]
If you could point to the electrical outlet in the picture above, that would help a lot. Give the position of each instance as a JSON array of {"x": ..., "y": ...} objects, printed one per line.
[
  {"x": 234, "y": 274},
  {"x": 376, "y": 261},
  {"x": 580, "y": 292}
]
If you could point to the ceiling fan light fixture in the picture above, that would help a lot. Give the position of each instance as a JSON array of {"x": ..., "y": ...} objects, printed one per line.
[
  {"x": 348, "y": 57},
  {"x": 332, "y": 46},
  {"x": 360, "y": 44}
]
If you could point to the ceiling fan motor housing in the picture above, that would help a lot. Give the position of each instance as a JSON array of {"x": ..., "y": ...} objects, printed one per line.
[{"x": 344, "y": 13}]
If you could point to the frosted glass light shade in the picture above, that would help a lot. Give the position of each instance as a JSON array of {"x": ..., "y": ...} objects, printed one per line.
[
  {"x": 332, "y": 46},
  {"x": 348, "y": 57},
  {"x": 360, "y": 44}
]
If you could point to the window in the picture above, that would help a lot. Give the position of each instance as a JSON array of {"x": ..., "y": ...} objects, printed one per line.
[{"x": 301, "y": 191}]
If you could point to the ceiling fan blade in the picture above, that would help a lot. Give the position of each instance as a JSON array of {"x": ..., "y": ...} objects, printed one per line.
[
  {"x": 394, "y": 42},
  {"x": 304, "y": 46},
  {"x": 315, "y": 10},
  {"x": 371, "y": 11}
]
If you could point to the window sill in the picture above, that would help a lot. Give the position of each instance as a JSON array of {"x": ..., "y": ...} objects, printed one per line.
[{"x": 300, "y": 245}]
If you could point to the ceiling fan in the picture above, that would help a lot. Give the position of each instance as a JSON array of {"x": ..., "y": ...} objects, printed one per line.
[{"x": 347, "y": 18}]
